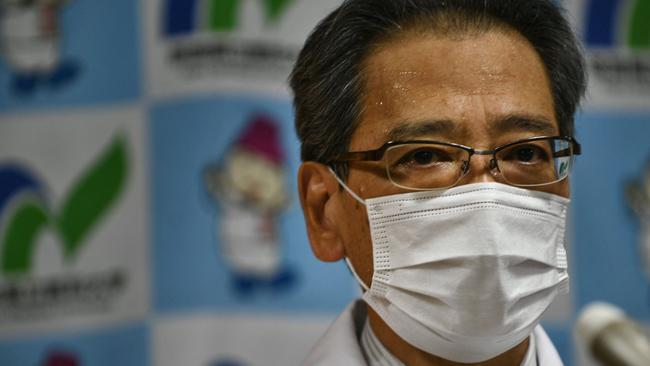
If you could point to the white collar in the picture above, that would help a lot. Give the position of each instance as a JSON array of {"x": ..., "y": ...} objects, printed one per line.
[
  {"x": 376, "y": 354},
  {"x": 374, "y": 351}
]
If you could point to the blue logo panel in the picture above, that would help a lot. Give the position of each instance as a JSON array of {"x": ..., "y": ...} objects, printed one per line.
[
  {"x": 228, "y": 232},
  {"x": 126, "y": 346},
  {"x": 607, "y": 255},
  {"x": 76, "y": 52}
]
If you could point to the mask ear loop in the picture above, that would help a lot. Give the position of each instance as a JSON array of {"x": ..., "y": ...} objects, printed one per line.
[
  {"x": 356, "y": 197},
  {"x": 356, "y": 276}
]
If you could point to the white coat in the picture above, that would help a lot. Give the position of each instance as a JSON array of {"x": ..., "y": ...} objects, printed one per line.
[{"x": 340, "y": 343}]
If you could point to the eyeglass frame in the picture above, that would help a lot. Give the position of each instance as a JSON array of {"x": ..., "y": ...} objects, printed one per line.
[{"x": 378, "y": 154}]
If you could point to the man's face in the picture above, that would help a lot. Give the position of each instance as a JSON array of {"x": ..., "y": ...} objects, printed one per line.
[{"x": 481, "y": 91}]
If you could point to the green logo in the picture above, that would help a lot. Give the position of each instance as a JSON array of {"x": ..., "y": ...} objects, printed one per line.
[
  {"x": 87, "y": 202},
  {"x": 639, "y": 32},
  {"x": 224, "y": 14}
]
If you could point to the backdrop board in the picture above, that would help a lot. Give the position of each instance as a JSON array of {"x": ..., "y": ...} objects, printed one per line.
[
  {"x": 148, "y": 202},
  {"x": 226, "y": 45}
]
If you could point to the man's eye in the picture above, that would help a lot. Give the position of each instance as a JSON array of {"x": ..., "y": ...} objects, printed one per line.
[
  {"x": 527, "y": 154},
  {"x": 423, "y": 157}
]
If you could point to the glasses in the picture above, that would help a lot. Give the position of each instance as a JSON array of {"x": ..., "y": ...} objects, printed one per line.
[{"x": 426, "y": 165}]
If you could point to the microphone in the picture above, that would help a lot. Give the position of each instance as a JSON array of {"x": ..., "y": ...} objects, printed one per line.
[{"x": 611, "y": 337}]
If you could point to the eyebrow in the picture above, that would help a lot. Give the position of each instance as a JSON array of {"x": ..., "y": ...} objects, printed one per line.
[
  {"x": 444, "y": 127},
  {"x": 525, "y": 123},
  {"x": 408, "y": 130}
]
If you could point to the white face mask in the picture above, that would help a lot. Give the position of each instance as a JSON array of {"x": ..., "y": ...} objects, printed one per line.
[{"x": 466, "y": 273}]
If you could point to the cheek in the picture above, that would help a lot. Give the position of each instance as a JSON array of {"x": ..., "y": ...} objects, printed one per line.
[
  {"x": 370, "y": 180},
  {"x": 357, "y": 239},
  {"x": 564, "y": 189},
  {"x": 355, "y": 224},
  {"x": 561, "y": 188}
]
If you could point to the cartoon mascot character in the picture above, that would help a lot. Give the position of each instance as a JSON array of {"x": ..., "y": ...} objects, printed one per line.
[
  {"x": 249, "y": 187},
  {"x": 31, "y": 45},
  {"x": 638, "y": 196}
]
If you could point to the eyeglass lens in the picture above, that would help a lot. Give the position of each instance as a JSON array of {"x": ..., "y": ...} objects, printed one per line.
[{"x": 535, "y": 162}]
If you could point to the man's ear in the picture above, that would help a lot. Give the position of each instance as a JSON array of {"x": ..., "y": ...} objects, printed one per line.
[{"x": 318, "y": 188}]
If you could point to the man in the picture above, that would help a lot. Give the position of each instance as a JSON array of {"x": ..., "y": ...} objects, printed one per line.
[{"x": 436, "y": 144}]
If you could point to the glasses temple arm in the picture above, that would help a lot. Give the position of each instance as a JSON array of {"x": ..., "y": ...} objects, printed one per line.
[
  {"x": 373, "y": 155},
  {"x": 577, "y": 149}
]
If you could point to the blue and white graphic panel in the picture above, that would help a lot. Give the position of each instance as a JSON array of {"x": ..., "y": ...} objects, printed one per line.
[
  {"x": 228, "y": 228},
  {"x": 124, "y": 346},
  {"x": 611, "y": 198},
  {"x": 611, "y": 208},
  {"x": 235, "y": 340},
  {"x": 73, "y": 221},
  {"x": 55, "y": 53},
  {"x": 616, "y": 36},
  {"x": 226, "y": 45}
]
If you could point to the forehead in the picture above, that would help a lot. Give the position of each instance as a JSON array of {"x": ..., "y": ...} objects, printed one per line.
[{"x": 475, "y": 88}]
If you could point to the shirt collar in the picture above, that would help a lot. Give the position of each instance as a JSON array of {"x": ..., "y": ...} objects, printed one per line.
[
  {"x": 374, "y": 351},
  {"x": 377, "y": 355}
]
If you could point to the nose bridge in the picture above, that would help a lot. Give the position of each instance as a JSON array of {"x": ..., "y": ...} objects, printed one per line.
[{"x": 481, "y": 168}]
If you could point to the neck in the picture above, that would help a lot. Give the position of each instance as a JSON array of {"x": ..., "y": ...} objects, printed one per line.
[{"x": 412, "y": 356}]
